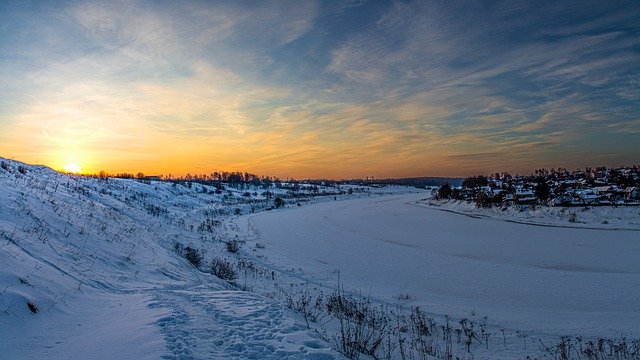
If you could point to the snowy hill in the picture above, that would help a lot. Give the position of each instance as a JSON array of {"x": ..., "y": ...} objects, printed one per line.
[{"x": 88, "y": 270}]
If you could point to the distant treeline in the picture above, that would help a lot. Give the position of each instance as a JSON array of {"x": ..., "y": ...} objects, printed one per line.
[
  {"x": 247, "y": 178},
  {"x": 419, "y": 182}
]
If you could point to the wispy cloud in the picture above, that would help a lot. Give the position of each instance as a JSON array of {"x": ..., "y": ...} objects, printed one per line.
[{"x": 464, "y": 61}]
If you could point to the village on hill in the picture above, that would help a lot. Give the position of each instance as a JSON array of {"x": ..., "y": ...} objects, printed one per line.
[{"x": 556, "y": 187}]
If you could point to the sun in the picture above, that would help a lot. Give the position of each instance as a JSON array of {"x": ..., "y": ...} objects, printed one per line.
[{"x": 72, "y": 168}]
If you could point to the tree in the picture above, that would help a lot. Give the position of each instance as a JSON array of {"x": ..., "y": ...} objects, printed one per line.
[
  {"x": 542, "y": 190},
  {"x": 475, "y": 182},
  {"x": 444, "y": 192},
  {"x": 483, "y": 200}
]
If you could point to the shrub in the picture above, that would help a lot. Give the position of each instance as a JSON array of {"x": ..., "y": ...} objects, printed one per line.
[
  {"x": 223, "y": 269},
  {"x": 363, "y": 327},
  {"x": 278, "y": 202},
  {"x": 193, "y": 255},
  {"x": 4, "y": 165},
  {"x": 233, "y": 246},
  {"x": 403, "y": 296}
]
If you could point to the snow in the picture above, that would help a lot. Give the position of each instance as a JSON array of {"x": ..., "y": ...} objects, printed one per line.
[
  {"x": 548, "y": 281},
  {"x": 595, "y": 217},
  {"x": 237, "y": 324},
  {"x": 98, "y": 260}
]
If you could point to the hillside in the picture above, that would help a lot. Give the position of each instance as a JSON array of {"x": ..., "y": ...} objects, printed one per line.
[{"x": 88, "y": 270}]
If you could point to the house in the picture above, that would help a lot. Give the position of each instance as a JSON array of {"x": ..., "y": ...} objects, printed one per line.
[
  {"x": 602, "y": 190},
  {"x": 631, "y": 193},
  {"x": 525, "y": 196},
  {"x": 587, "y": 196},
  {"x": 508, "y": 199},
  {"x": 563, "y": 199}
]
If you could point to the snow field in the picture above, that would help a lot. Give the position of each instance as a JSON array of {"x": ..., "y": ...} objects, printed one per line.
[{"x": 535, "y": 282}]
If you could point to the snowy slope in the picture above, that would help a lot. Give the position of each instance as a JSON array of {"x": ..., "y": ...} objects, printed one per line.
[
  {"x": 88, "y": 270},
  {"x": 595, "y": 217}
]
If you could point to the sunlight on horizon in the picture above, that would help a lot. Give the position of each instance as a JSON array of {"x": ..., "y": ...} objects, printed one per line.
[{"x": 72, "y": 168}]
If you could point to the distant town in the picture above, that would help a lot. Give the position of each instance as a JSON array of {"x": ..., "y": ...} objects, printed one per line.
[{"x": 555, "y": 187}]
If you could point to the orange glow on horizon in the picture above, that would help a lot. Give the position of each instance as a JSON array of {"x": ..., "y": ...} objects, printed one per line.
[{"x": 72, "y": 168}]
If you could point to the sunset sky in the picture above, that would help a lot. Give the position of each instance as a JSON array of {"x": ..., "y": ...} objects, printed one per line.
[{"x": 334, "y": 89}]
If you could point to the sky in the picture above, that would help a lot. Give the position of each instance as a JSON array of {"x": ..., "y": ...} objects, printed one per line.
[{"x": 320, "y": 89}]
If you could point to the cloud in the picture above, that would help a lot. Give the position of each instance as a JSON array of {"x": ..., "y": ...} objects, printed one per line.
[{"x": 484, "y": 83}]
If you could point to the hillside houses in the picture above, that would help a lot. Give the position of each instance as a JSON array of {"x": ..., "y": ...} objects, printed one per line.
[{"x": 556, "y": 187}]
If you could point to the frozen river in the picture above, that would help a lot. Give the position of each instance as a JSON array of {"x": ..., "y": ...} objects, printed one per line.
[{"x": 527, "y": 277}]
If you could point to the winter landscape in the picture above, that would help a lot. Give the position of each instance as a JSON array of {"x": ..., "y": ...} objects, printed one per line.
[{"x": 320, "y": 179}]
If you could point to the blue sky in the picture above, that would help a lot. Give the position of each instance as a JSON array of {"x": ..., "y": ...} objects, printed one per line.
[{"x": 315, "y": 88}]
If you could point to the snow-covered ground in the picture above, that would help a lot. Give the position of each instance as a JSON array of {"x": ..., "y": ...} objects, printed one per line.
[
  {"x": 89, "y": 269},
  {"x": 531, "y": 277},
  {"x": 540, "y": 281}
]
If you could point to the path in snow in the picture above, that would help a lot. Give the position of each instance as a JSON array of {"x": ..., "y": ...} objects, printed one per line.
[{"x": 208, "y": 324}]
